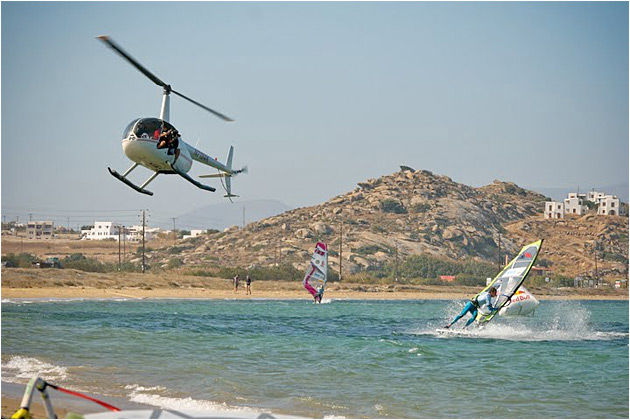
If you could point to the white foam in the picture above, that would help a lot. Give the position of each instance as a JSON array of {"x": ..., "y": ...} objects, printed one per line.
[
  {"x": 182, "y": 403},
  {"x": 18, "y": 368}
]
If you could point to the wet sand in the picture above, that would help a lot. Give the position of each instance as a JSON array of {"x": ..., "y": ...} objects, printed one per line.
[{"x": 370, "y": 293}]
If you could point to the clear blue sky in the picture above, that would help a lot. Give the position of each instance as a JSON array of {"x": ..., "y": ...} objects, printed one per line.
[{"x": 325, "y": 95}]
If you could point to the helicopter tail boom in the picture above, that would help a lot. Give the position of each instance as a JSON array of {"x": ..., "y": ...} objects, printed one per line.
[{"x": 226, "y": 172}]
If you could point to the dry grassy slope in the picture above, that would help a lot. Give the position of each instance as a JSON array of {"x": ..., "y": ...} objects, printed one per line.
[{"x": 569, "y": 243}]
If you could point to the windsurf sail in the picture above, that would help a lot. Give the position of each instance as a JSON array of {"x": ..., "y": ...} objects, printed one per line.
[
  {"x": 508, "y": 281},
  {"x": 522, "y": 303},
  {"x": 317, "y": 271}
]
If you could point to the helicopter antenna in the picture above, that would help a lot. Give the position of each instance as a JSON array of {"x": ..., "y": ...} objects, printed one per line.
[{"x": 167, "y": 88}]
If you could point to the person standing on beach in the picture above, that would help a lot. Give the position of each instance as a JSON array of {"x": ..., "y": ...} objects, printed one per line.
[
  {"x": 484, "y": 299},
  {"x": 236, "y": 279},
  {"x": 248, "y": 282}
]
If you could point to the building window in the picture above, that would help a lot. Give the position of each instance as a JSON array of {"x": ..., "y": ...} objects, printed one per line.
[{"x": 612, "y": 204}]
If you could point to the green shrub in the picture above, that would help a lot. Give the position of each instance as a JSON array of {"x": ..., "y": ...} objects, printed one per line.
[
  {"x": 421, "y": 207},
  {"x": 81, "y": 262},
  {"x": 23, "y": 260},
  {"x": 174, "y": 263},
  {"x": 368, "y": 249}
]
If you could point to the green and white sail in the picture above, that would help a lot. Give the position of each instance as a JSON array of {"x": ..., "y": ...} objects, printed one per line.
[{"x": 510, "y": 279}]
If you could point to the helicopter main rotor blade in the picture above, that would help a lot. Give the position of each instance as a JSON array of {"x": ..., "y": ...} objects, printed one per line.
[
  {"x": 155, "y": 79},
  {"x": 133, "y": 62},
  {"x": 218, "y": 114}
]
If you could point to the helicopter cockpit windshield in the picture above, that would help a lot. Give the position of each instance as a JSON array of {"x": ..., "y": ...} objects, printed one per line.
[{"x": 146, "y": 128}]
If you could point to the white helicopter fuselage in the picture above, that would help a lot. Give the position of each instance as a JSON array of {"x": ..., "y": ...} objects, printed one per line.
[{"x": 143, "y": 150}]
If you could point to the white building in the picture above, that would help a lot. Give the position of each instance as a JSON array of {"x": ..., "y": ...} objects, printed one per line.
[
  {"x": 595, "y": 196},
  {"x": 194, "y": 233},
  {"x": 100, "y": 231},
  {"x": 609, "y": 205},
  {"x": 110, "y": 230},
  {"x": 40, "y": 230},
  {"x": 574, "y": 204},
  {"x": 554, "y": 210}
]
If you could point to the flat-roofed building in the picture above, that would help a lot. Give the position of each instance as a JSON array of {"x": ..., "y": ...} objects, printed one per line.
[
  {"x": 609, "y": 205},
  {"x": 574, "y": 204},
  {"x": 554, "y": 210},
  {"x": 40, "y": 230}
]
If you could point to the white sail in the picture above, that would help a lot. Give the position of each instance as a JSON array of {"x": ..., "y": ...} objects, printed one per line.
[
  {"x": 522, "y": 303},
  {"x": 510, "y": 279},
  {"x": 317, "y": 271}
]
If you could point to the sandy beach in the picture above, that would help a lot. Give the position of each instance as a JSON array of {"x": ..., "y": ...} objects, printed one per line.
[{"x": 53, "y": 283}]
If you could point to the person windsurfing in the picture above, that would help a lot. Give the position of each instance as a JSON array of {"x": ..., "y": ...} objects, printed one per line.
[
  {"x": 316, "y": 273},
  {"x": 320, "y": 294},
  {"x": 483, "y": 300}
]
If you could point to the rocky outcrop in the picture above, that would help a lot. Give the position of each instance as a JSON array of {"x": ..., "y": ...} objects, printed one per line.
[{"x": 408, "y": 212}]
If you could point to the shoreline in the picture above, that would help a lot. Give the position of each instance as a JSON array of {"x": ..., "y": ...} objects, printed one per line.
[{"x": 202, "y": 293}]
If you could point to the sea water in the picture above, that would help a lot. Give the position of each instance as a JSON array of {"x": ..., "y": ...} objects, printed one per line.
[{"x": 345, "y": 358}]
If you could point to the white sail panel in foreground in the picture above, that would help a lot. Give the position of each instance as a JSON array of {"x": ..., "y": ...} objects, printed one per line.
[{"x": 508, "y": 281}]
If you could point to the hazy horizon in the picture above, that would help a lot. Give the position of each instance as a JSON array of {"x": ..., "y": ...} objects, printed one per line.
[{"x": 325, "y": 95}]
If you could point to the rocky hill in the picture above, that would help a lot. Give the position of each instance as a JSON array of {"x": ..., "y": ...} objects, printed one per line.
[
  {"x": 588, "y": 245},
  {"x": 409, "y": 212}
]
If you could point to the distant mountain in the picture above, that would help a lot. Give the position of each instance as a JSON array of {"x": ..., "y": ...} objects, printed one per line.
[
  {"x": 224, "y": 215},
  {"x": 560, "y": 193}
]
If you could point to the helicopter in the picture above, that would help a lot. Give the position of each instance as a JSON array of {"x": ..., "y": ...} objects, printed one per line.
[{"x": 144, "y": 141}]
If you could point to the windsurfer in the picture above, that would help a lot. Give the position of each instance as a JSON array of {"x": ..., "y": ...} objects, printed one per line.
[
  {"x": 483, "y": 299},
  {"x": 320, "y": 294}
]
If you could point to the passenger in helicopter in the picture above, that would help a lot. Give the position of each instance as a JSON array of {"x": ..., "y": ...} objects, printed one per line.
[
  {"x": 165, "y": 139},
  {"x": 170, "y": 139}
]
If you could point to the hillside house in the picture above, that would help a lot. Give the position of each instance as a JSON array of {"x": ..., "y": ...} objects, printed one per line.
[
  {"x": 40, "y": 230},
  {"x": 574, "y": 204},
  {"x": 194, "y": 233},
  {"x": 554, "y": 210},
  {"x": 609, "y": 205}
]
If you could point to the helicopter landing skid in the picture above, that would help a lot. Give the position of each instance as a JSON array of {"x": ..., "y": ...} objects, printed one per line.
[
  {"x": 192, "y": 181},
  {"x": 126, "y": 181}
]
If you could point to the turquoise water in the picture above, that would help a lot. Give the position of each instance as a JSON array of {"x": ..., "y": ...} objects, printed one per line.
[{"x": 344, "y": 358}]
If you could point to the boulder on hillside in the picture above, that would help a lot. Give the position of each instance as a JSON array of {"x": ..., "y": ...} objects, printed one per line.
[
  {"x": 320, "y": 228},
  {"x": 303, "y": 234},
  {"x": 451, "y": 232}
]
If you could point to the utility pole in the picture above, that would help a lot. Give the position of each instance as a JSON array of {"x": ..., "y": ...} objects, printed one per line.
[
  {"x": 124, "y": 243},
  {"x": 143, "y": 241},
  {"x": 396, "y": 264},
  {"x": 119, "y": 261},
  {"x": 499, "y": 251},
  {"x": 340, "y": 248},
  {"x": 30, "y": 216},
  {"x": 174, "y": 233},
  {"x": 595, "y": 255}
]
